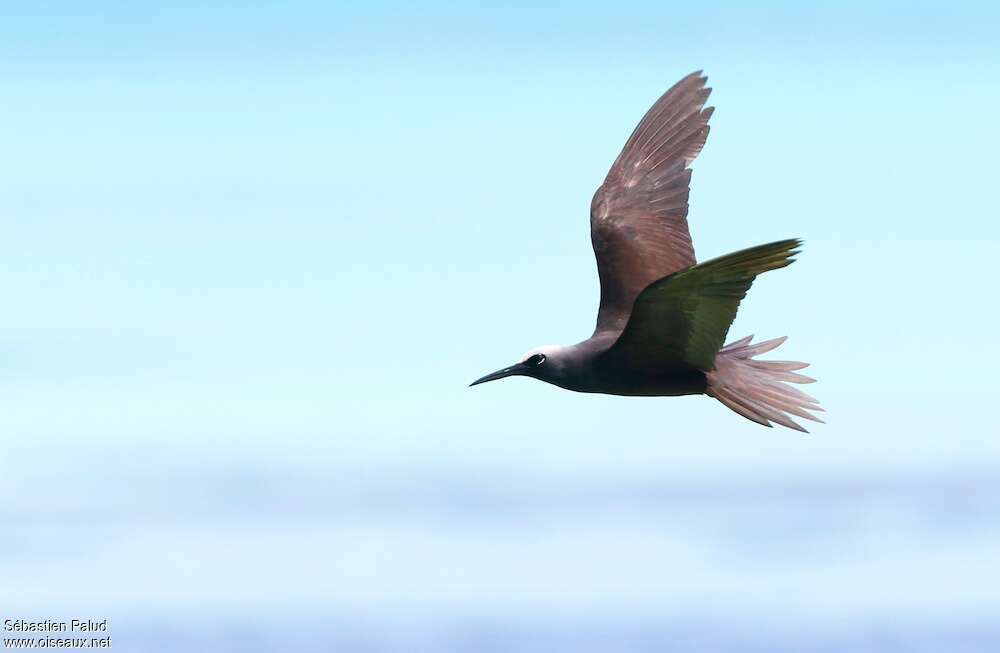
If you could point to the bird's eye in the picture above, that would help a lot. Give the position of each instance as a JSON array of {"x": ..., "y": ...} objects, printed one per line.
[{"x": 535, "y": 360}]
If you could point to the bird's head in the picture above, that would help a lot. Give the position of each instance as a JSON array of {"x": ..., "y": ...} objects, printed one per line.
[{"x": 544, "y": 363}]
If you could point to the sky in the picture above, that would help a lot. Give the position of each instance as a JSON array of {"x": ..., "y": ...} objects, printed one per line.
[{"x": 300, "y": 229}]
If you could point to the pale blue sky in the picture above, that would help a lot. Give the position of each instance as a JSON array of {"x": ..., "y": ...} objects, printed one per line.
[{"x": 303, "y": 226}]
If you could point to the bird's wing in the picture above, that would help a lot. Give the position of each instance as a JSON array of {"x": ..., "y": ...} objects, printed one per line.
[
  {"x": 638, "y": 217},
  {"x": 682, "y": 320}
]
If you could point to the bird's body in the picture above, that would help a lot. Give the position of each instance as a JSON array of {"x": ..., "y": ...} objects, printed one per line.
[
  {"x": 663, "y": 317},
  {"x": 584, "y": 367}
]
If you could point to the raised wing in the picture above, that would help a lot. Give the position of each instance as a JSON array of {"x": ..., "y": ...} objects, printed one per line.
[
  {"x": 683, "y": 320},
  {"x": 638, "y": 218}
]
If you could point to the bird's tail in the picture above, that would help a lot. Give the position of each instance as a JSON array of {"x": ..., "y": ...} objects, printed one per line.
[{"x": 759, "y": 390}]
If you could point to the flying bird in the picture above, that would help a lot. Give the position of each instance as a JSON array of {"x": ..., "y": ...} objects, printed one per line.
[{"x": 663, "y": 317}]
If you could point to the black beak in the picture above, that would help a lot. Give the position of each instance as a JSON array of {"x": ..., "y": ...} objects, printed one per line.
[{"x": 513, "y": 370}]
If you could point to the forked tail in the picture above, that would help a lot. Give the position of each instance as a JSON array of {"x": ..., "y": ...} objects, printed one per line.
[{"x": 759, "y": 390}]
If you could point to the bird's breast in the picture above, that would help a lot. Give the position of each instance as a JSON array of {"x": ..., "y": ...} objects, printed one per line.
[{"x": 639, "y": 383}]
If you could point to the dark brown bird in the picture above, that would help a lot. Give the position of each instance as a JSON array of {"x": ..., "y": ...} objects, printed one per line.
[{"x": 663, "y": 318}]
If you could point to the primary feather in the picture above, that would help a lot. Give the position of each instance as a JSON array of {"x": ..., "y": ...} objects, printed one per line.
[{"x": 638, "y": 217}]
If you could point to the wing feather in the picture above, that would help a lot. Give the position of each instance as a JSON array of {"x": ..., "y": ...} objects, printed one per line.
[
  {"x": 682, "y": 320},
  {"x": 638, "y": 217}
]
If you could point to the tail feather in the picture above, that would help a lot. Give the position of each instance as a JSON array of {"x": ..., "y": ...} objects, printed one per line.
[{"x": 758, "y": 389}]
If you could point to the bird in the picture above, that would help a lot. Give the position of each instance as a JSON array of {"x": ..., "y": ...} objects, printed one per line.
[{"x": 663, "y": 318}]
